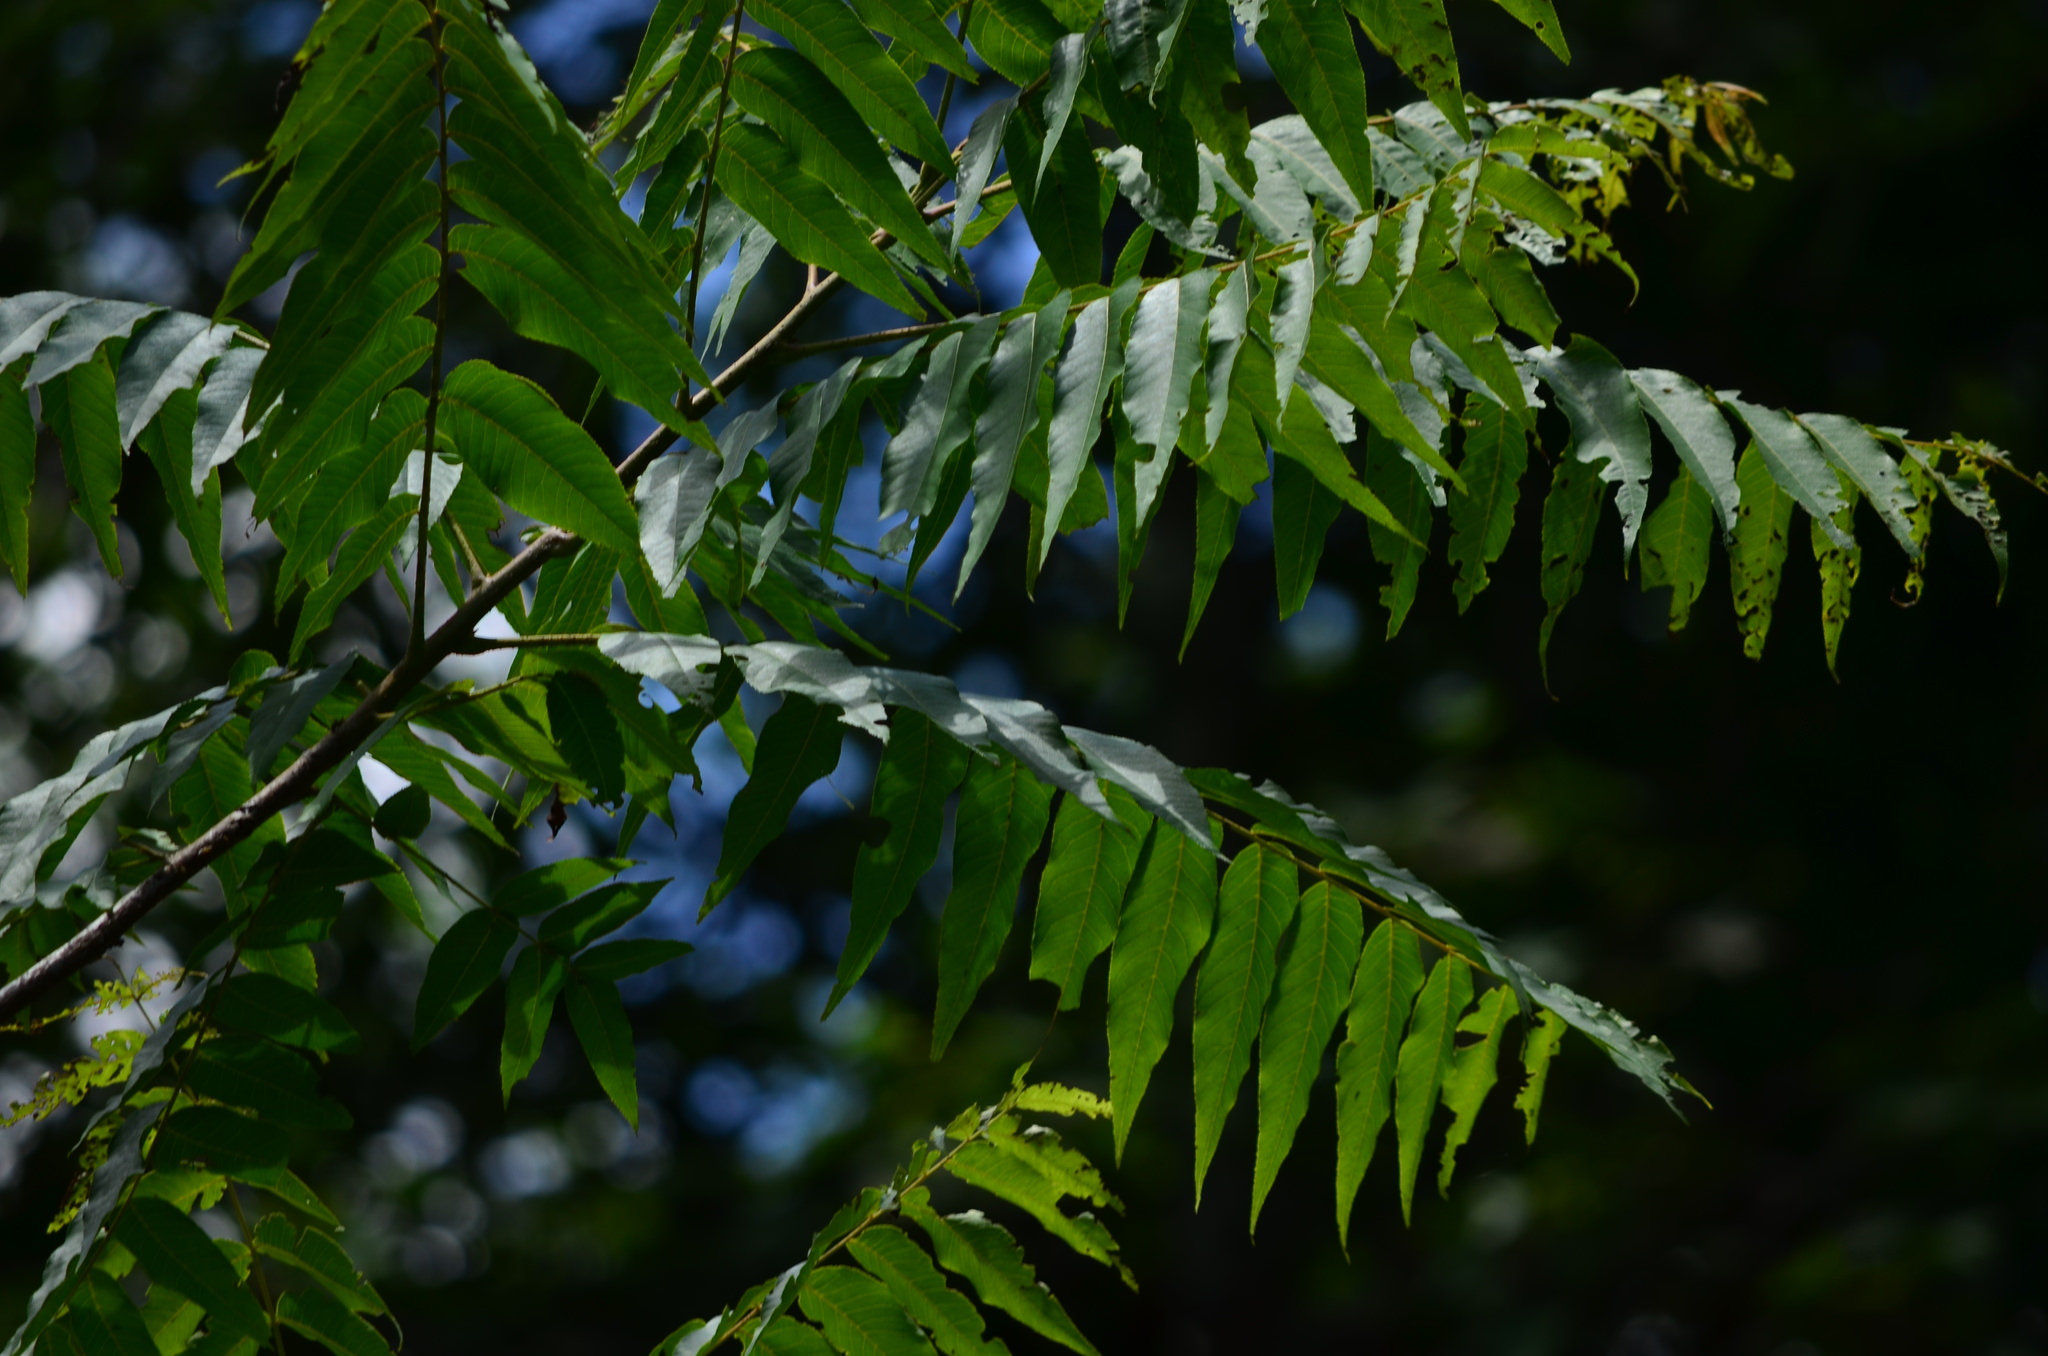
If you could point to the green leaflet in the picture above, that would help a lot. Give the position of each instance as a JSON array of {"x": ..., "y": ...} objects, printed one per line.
[
  {"x": 1865, "y": 467},
  {"x": 320, "y": 1316},
  {"x": 1756, "y": 554},
  {"x": 1402, "y": 488},
  {"x": 1334, "y": 359},
  {"x": 362, "y": 555},
  {"x": 1970, "y": 493},
  {"x": 1164, "y": 351},
  {"x": 1293, "y": 302},
  {"x": 1012, "y": 413},
  {"x": 1541, "y": 19},
  {"x": 530, "y": 455},
  {"x": 1840, "y": 567},
  {"x": 1417, "y": 35},
  {"x": 601, "y": 1026},
  {"x": 1015, "y": 37},
  {"x": 1607, "y": 426},
  {"x": 573, "y": 301},
  {"x": 17, "y": 474},
  {"x": 270, "y": 1007},
  {"x": 1472, "y": 1074},
  {"x": 79, "y": 408},
  {"x": 786, "y": 1337},
  {"x": 1034, "y": 1172},
  {"x": 832, "y": 143},
  {"x": 463, "y": 964},
  {"x": 915, "y": 24},
  {"x": 1302, "y": 514},
  {"x": 352, "y": 486},
  {"x": 838, "y": 44},
  {"x": 920, "y": 767},
  {"x": 970, "y": 1244},
  {"x": 857, "y": 1313},
  {"x": 216, "y": 785},
  {"x": 939, "y": 421},
  {"x": 1216, "y": 515},
  {"x": 1389, "y": 974},
  {"x": 179, "y": 1256},
  {"x": 1067, "y": 63},
  {"x": 1496, "y": 452},
  {"x": 799, "y": 744},
  {"x": 1699, "y": 433},
  {"x": 167, "y": 442},
  {"x": 763, "y": 176},
  {"x": 105, "y": 1323},
  {"x": 1674, "y": 545},
  {"x": 1081, "y": 383},
  {"x": 1424, "y": 1061},
  {"x": 1571, "y": 515},
  {"x": 1166, "y": 920},
  {"x": 1311, "y": 51},
  {"x": 1062, "y": 206},
  {"x": 587, "y": 735},
  {"x": 1796, "y": 464},
  {"x": 997, "y": 829},
  {"x": 231, "y": 1142},
  {"x": 916, "y": 1285},
  {"x": 1539, "y": 1047},
  {"x": 1307, "y": 441},
  {"x": 166, "y": 357},
  {"x": 1505, "y": 275},
  {"x": 530, "y": 991},
  {"x": 1309, "y": 993},
  {"x": 1256, "y": 905},
  {"x": 1081, "y": 894}
]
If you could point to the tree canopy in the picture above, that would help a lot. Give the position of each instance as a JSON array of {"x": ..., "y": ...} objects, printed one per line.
[{"x": 1322, "y": 313}]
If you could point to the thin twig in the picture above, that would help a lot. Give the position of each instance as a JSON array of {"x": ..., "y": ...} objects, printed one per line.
[{"x": 863, "y": 340}]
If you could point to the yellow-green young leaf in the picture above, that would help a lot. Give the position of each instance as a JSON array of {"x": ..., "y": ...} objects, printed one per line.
[
  {"x": 106, "y": 1322},
  {"x": 79, "y": 408},
  {"x": 920, "y": 767},
  {"x": 533, "y": 457},
  {"x": 832, "y": 142},
  {"x": 1254, "y": 907},
  {"x": 1081, "y": 895},
  {"x": 1472, "y": 1074},
  {"x": 799, "y": 745},
  {"x": 970, "y": 1244},
  {"x": 1424, "y": 1060},
  {"x": 179, "y": 1256},
  {"x": 320, "y": 1316},
  {"x": 1303, "y": 511},
  {"x": 1674, "y": 545},
  {"x": 1312, "y": 53},
  {"x": 1756, "y": 556},
  {"x": 1389, "y": 974},
  {"x": 1483, "y": 516},
  {"x": 599, "y": 1019},
  {"x": 360, "y": 558},
  {"x": 530, "y": 990},
  {"x": 17, "y": 473},
  {"x": 1314, "y": 981},
  {"x": 1840, "y": 567},
  {"x": 859, "y": 1316},
  {"x": 1970, "y": 493},
  {"x": 1057, "y": 1099},
  {"x": 1166, "y": 920},
  {"x": 1216, "y": 515},
  {"x": 916, "y": 1285},
  {"x": 1400, "y": 486},
  {"x": 837, "y": 43},
  {"x": 998, "y": 826},
  {"x": 1539, "y": 1047},
  {"x": 1571, "y": 514},
  {"x": 1924, "y": 486}
]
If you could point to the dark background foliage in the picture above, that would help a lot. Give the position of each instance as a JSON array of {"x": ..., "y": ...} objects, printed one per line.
[{"x": 1827, "y": 898}]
